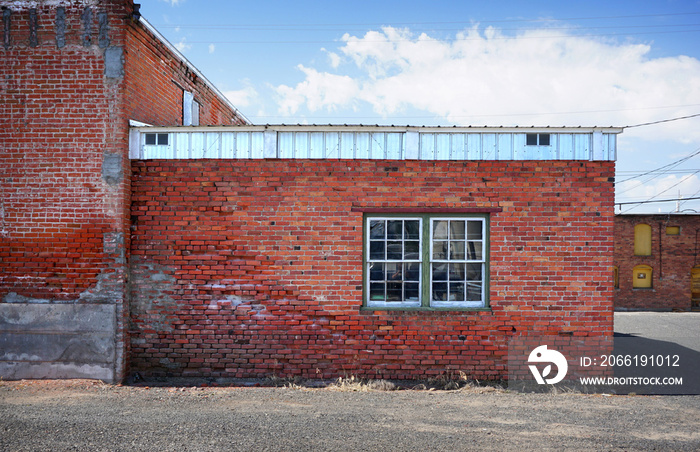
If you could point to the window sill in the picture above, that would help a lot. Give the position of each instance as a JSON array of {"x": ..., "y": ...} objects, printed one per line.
[{"x": 409, "y": 309}]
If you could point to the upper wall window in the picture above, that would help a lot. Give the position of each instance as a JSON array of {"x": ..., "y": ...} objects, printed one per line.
[
  {"x": 537, "y": 139},
  {"x": 642, "y": 240},
  {"x": 159, "y": 139},
  {"x": 426, "y": 261},
  {"x": 673, "y": 230},
  {"x": 190, "y": 110}
]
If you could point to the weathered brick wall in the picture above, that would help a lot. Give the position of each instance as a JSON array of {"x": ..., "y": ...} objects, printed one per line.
[
  {"x": 249, "y": 268},
  {"x": 672, "y": 258},
  {"x": 68, "y": 74}
]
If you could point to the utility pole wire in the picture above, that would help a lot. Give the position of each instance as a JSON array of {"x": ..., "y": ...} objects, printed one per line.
[{"x": 663, "y": 120}]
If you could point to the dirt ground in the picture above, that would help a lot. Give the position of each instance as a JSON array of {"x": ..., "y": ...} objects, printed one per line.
[{"x": 88, "y": 415}]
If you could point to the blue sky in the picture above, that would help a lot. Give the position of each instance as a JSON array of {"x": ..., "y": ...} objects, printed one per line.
[{"x": 592, "y": 63}]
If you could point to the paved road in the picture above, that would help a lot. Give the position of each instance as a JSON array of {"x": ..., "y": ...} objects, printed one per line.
[{"x": 683, "y": 328}]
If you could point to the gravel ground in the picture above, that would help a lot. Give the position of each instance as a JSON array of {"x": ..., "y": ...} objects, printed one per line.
[{"x": 88, "y": 415}]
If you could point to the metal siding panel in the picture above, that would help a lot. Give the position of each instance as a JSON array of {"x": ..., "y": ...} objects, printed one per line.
[
  {"x": 285, "y": 145},
  {"x": 243, "y": 145},
  {"x": 393, "y": 146},
  {"x": 227, "y": 150},
  {"x": 488, "y": 149},
  {"x": 197, "y": 146},
  {"x": 213, "y": 145},
  {"x": 257, "y": 145},
  {"x": 317, "y": 147},
  {"x": 427, "y": 146},
  {"x": 458, "y": 146},
  {"x": 520, "y": 150},
  {"x": 270, "y": 144},
  {"x": 182, "y": 146},
  {"x": 332, "y": 145},
  {"x": 504, "y": 146},
  {"x": 442, "y": 146},
  {"x": 566, "y": 146},
  {"x": 474, "y": 146},
  {"x": 377, "y": 145},
  {"x": 362, "y": 150},
  {"x": 347, "y": 145},
  {"x": 411, "y": 143},
  {"x": 301, "y": 145}
]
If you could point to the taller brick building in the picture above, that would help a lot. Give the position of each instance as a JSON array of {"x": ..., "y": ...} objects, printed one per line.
[{"x": 73, "y": 74}]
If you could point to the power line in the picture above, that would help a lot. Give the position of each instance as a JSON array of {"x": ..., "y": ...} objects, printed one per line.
[
  {"x": 655, "y": 201},
  {"x": 663, "y": 120}
]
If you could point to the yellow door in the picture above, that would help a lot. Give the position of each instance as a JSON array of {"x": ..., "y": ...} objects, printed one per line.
[{"x": 641, "y": 277}]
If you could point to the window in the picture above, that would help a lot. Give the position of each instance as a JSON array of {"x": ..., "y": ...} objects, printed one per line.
[
  {"x": 426, "y": 261},
  {"x": 642, "y": 240},
  {"x": 616, "y": 278},
  {"x": 159, "y": 139},
  {"x": 537, "y": 139},
  {"x": 673, "y": 230},
  {"x": 642, "y": 277},
  {"x": 190, "y": 110}
]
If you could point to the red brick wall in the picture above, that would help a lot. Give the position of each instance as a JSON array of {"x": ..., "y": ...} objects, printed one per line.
[
  {"x": 672, "y": 258},
  {"x": 248, "y": 268}
]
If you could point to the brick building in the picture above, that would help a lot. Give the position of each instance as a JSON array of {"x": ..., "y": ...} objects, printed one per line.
[
  {"x": 72, "y": 76},
  {"x": 248, "y": 251},
  {"x": 656, "y": 262}
]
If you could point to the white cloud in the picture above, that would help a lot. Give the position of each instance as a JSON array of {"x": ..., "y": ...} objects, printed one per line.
[
  {"x": 539, "y": 77},
  {"x": 182, "y": 46},
  {"x": 212, "y": 48},
  {"x": 320, "y": 90},
  {"x": 242, "y": 98},
  {"x": 173, "y": 2}
]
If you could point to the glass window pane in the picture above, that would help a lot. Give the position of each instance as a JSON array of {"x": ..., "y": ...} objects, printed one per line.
[
  {"x": 440, "y": 230},
  {"x": 394, "y": 272},
  {"x": 456, "y": 291},
  {"x": 412, "y": 250},
  {"x": 457, "y": 251},
  {"x": 411, "y": 229},
  {"x": 376, "y": 291},
  {"x": 457, "y": 272},
  {"x": 474, "y": 251},
  {"x": 376, "y": 229},
  {"x": 163, "y": 139},
  {"x": 474, "y": 230},
  {"x": 376, "y": 272},
  {"x": 394, "y": 229},
  {"x": 439, "y": 272},
  {"x": 376, "y": 250},
  {"x": 440, "y": 291},
  {"x": 473, "y": 291},
  {"x": 474, "y": 272},
  {"x": 412, "y": 272},
  {"x": 394, "y": 251},
  {"x": 394, "y": 291},
  {"x": 544, "y": 139},
  {"x": 457, "y": 230},
  {"x": 440, "y": 250},
  {"x": 412, "y": 292},
  {"x": 150, "y": 139}
]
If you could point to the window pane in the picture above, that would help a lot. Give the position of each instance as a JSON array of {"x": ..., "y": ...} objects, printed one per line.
[
  {"x": 474, "y": 230},
  {"x": 544, "y": 139},
  {"x": 412, "y": 291},
  {"x": 457, "y": 230},
  {"x": 412, "y": 250},
  {"x": 440, "y": 230},
  {"x": 394, "y": 291},
  {"x": 531, "y": 139},
  {"x": 150, "y": 139},
  {"x": 163, "y": 139},
  {"x": 376, "y": 272},
  {"x": 376, "y": 291},
  {"x": 376, "y": 229},
  {"x": 412, "y": 272},
  {"x": 394, "y": 229},
  {"x": 456, "y": 291},
  {"x": 394, "y": 272},
  {"x": 440, "y": 250},
  {"x": 376, "y": 250},
  {"x": 474, "y": 272},
  {"x": 439, "y": 272},
  {"x": 474, "y": 251},
  {"x": 474, "y": 291},
  {"x": 440, "y": 291},
  {"x": 394, "y": 251},
  {"x": 457, "y": 251},
  {"x": 411, "y": 230},
  {"x": 457, "y": 272}
]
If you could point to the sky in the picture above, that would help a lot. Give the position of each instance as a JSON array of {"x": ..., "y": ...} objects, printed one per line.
[{"x": 588, "y": 63}]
